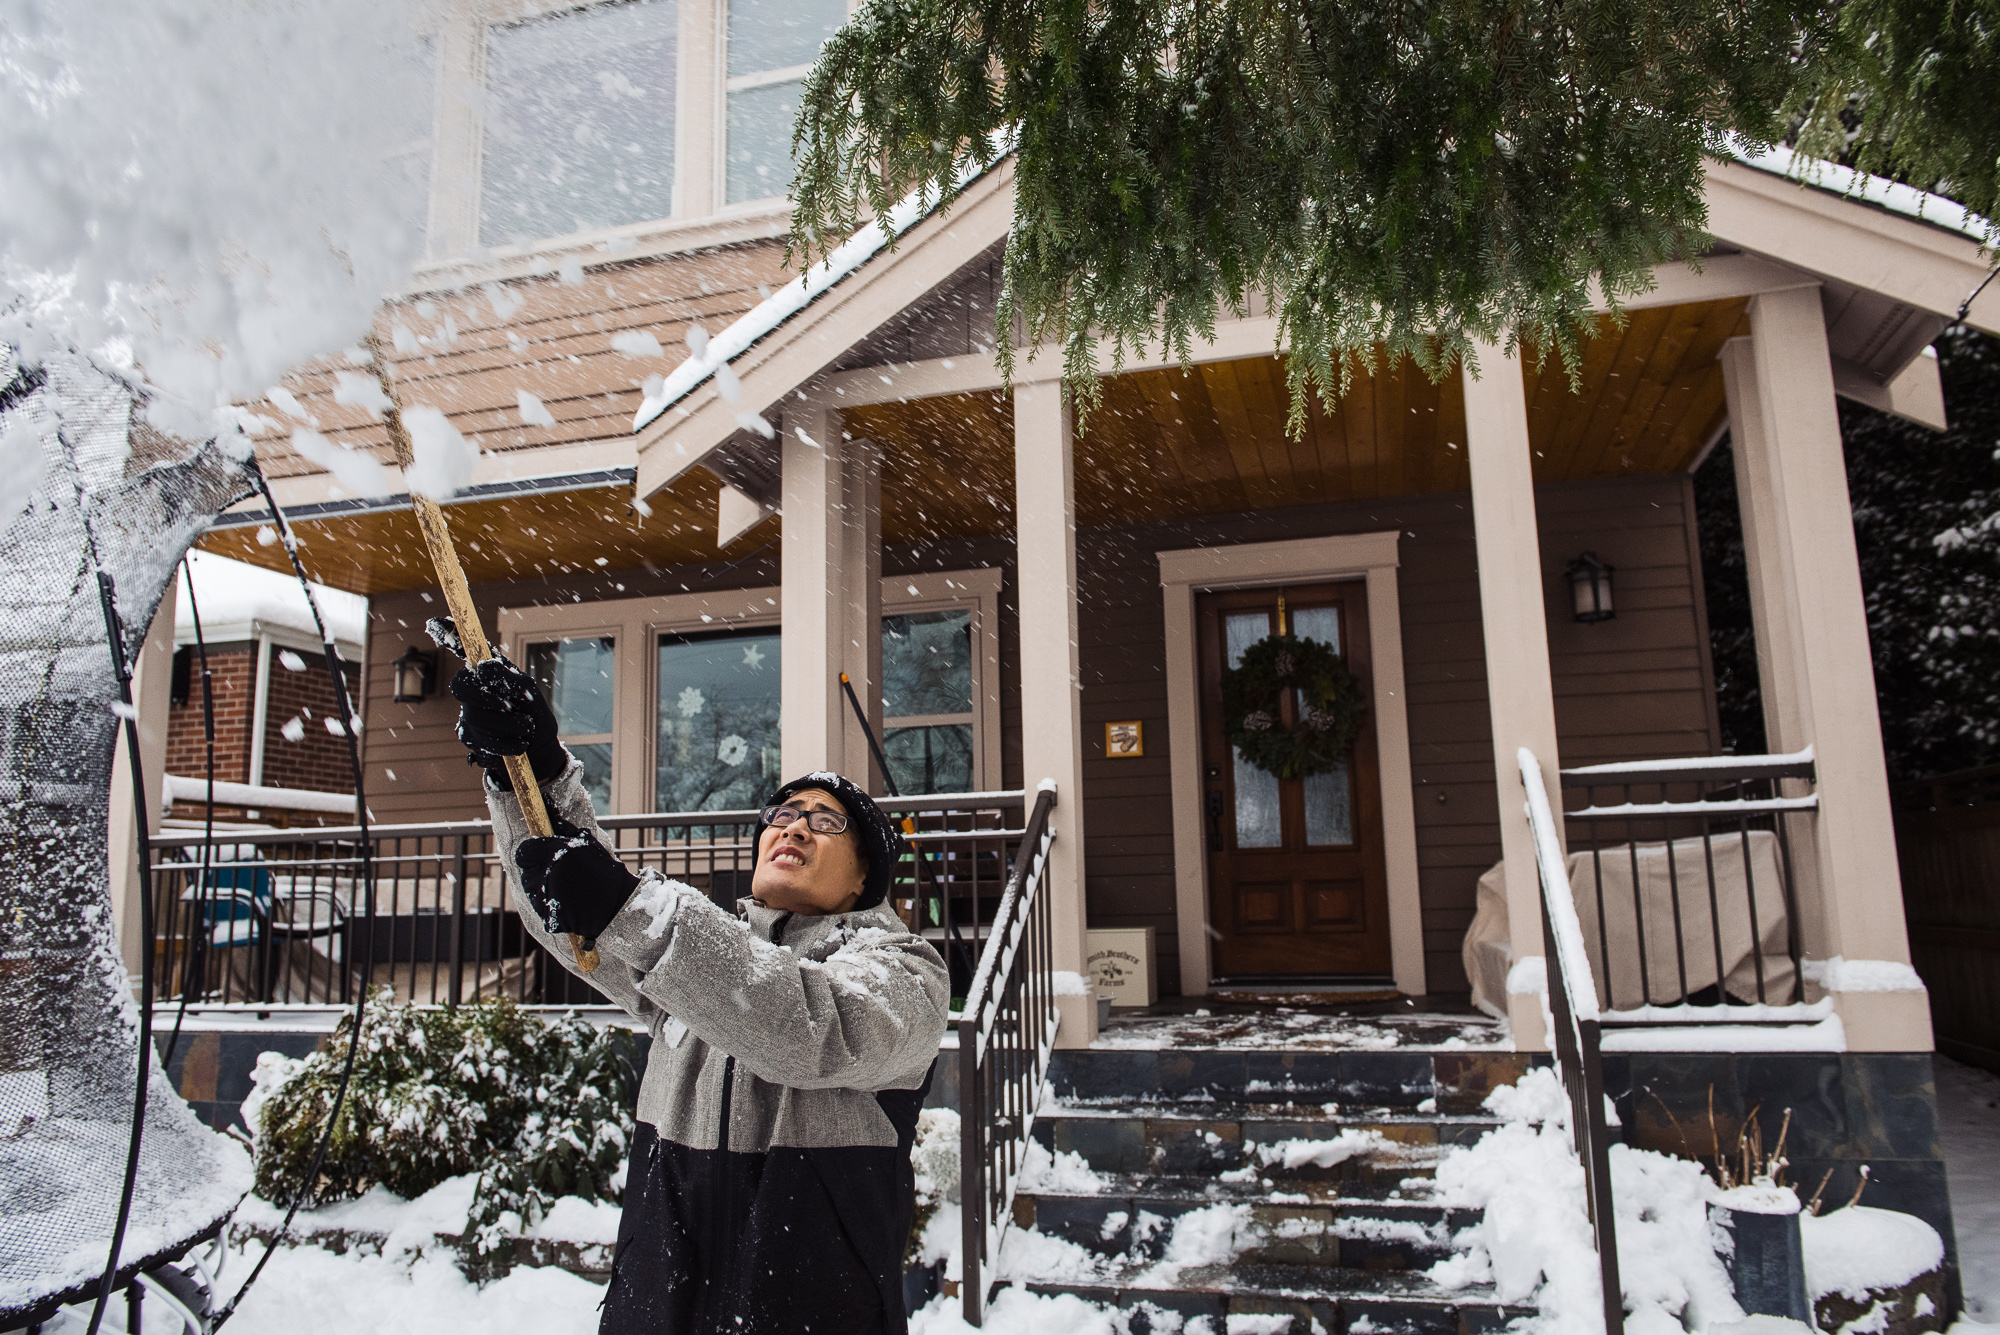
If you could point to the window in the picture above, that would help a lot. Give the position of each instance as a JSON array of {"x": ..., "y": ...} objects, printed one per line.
[
  {"x": 577, "y": 677},
  {"x": 718, "y": 721},
  {"x": 579, "y": 122},
  {"x": 772, "y": 44},
  {"x": 411, "y": 158},
  {"x": 927, "y": 715}
]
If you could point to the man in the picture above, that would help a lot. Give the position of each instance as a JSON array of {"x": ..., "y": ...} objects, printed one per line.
[{"x": 769, "y": 1190}]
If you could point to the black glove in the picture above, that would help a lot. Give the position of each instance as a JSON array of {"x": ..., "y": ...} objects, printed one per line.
[
  {"x": 575, "y": 883},
  {"x": 503, "y": 714}
]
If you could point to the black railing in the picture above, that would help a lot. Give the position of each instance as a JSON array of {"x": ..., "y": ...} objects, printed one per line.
[
  {"x": 1694, "y": 901},
  {"x": 1005, "y": 1032},
  {"x": 1573, "y": 1011},
  {"x": 279, "y": 916}
]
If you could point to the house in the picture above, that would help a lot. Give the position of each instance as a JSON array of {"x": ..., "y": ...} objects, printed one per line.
[
  {"x": 683, "y": 554},
  {"x": 273, "y": 706}
]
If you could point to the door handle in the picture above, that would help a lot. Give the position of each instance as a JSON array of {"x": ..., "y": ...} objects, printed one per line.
[{"x": 1215, "y": 822}]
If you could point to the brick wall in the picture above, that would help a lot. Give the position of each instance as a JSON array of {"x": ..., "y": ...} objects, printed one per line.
[
  {"x": 318, "y": 760},
  {"x": 232, "y": 680}
]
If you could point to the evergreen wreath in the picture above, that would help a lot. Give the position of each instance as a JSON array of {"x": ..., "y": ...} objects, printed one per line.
[{"x": 1327, "y": 724}]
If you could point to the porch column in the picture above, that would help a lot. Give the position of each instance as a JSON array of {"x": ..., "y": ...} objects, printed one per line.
[
  {"x": 1813, "y": 658},
  {"x": 861, "y": 606},
  {"x": 814, "y": 620},
  {"x": 1051, "y": 692},
  {"x": 1519, "y": 695}
]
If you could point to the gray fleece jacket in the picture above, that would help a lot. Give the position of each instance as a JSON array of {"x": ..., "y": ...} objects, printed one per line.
[{"x": 848, "y": 1005}]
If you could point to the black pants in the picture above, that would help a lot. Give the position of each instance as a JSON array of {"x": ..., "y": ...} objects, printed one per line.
[{"x": 786, "y": 1242}]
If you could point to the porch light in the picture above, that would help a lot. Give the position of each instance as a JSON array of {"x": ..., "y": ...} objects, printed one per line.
[
  {"x": 1590, "y": 588},
  {"x": 416, "y": 676}
]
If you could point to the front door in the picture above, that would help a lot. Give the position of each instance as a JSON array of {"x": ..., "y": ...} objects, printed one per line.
[{"x": 1296, "y": 879}]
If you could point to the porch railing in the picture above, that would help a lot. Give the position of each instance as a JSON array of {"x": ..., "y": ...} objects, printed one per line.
[
  {"x": 280, "y": 916},
  {"x": 1005, "y": 1033},
  {"x": 1692, "y": 899},
  {"x": 1573, "y": 1012}
]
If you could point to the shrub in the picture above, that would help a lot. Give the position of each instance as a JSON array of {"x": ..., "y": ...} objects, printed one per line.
[{"x": 539, "y": 1108}]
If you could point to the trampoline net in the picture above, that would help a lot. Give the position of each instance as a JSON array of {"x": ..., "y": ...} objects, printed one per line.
[{"x": 69, "y": 1027}]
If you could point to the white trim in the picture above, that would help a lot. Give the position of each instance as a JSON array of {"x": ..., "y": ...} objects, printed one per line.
[
  {"x": 260, "y": 708},
  {"x": 1368, "y": 556}
]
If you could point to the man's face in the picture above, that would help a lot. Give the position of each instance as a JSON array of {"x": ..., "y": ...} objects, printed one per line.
[{"x": 800, "y": 870}]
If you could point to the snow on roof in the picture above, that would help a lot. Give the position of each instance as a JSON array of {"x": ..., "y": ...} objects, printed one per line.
[
  {"x": 233, "y": 597},
  {"x": 1848, "y": 183},
  {"x": 765, "y": 317}
]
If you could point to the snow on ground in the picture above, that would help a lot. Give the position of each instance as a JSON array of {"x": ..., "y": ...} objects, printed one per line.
[
  {"x": 310, "y": 1291},
  {"x": 1969, "y": 1123}
]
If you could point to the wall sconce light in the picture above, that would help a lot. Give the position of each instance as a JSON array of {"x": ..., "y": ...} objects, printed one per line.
[
  {"x": 1590, "y": 588},
  {"x": 416, "y": 676}
]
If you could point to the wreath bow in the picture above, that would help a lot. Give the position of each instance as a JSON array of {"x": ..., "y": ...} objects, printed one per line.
[{"x": 1329, "y": 706}]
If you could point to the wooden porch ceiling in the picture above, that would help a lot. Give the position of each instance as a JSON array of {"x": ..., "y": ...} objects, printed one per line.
[
  {"x": 1213, "y": 441},
  {"x": 1162, "y": 444},
  {"x": 510, "y": 538}
]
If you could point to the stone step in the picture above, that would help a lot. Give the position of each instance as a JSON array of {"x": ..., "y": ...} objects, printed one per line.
[
  {"x": 1374, "y": 1304},
  {"x": 1453, "y": 1083},
  {"x": 1178, "y": 1141},
  {"x": 1311, "y": 1229}
]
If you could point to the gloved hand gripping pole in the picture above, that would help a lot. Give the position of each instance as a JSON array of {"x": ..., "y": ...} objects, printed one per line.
[{"x": 458, "y": 598}]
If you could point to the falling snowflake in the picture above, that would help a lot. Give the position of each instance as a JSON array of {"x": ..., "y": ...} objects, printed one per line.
[
  {"x": 733, "y": 750},
  {"x": 752, "y": 657},
  {"x": 690, "y": 702},
  {"x": 293, "y": 731}
]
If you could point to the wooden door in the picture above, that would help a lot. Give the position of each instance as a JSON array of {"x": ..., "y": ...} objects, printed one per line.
[{"x": 1296, "y": 879}]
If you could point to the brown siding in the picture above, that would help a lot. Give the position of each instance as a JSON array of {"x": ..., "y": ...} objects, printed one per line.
[
  {"x": 1631, "y": 688},
  {"x": 1635, "y": 687}
]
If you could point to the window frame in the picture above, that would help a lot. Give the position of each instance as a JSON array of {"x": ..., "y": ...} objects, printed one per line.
[
  {"x": 976, "y": 592},
  {"x": 635, "y": 624}
]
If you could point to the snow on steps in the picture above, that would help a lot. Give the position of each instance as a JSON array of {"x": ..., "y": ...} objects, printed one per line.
[{"x": 1245, "y": 1183}]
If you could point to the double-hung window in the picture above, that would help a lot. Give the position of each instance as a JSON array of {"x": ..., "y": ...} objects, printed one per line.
[
  {"x": 772, "y": 44},
  {"x": 578, "y": 677},
  {"x": 579, "y": 124}
]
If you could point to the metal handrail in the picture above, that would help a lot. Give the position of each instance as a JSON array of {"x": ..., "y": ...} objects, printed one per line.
[
  {"x": 1572, "y": 1002},
  {"x": 1005, "y": 1034},
  {"x": 442, "y": 928},
  {"x": 1696, "y": 813}
]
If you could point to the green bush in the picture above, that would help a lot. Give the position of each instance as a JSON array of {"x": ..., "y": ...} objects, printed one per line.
[{"x": 539, "y": 1108}]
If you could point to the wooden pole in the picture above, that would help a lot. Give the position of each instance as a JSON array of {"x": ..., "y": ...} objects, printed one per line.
[{"x": 458, "y": 599}]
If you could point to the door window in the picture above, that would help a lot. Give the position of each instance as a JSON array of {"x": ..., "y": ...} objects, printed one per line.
[
  {"x": 718, "y": 721},
  {"x": 1329, "y": 802},
  {"x": 576, "y": 676},
  {"x": 927, "y": 704},
  {"x": 1259, "y": 818}
]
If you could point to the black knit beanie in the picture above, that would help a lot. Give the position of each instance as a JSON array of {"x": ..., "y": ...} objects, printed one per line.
[{"x": 881, "y": 838}]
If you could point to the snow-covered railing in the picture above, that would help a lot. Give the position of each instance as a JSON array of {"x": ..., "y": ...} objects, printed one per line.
[
  {"x": 1573, "y": 1021},
  {"x": 1690, "y": 898},
  {"x": 279, "y": 916},
  {"x": 1005, "y": 1033}
]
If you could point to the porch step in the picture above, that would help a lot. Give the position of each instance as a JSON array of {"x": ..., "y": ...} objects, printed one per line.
[
  {"x": 1312, "y": 1229},
  {"x": 1278, "y": 1143},
  {"x": 1292, "y": 1167},
  {"x": 1389, "y": 1304}
]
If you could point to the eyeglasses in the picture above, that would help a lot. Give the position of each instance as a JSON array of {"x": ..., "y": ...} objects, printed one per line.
[{"x": 818, "y": 821}]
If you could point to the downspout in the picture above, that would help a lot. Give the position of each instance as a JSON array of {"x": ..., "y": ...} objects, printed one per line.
[{"x": 260, "y": 708}]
